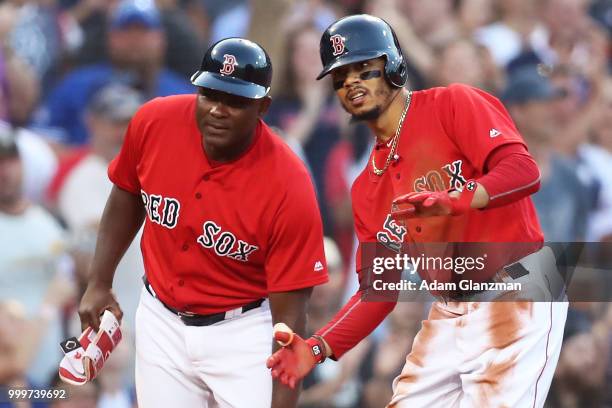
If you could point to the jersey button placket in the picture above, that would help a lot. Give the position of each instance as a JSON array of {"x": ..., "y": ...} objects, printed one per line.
[
  {"x": 198, "y": 196},
  {"x": 185, "y": 247},
  {"x": 181, "y": 282}
]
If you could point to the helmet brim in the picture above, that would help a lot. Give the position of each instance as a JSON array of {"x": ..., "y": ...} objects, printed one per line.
[
  {"x": 230, "y": 85},
  {"x": 350, "y": 58}
]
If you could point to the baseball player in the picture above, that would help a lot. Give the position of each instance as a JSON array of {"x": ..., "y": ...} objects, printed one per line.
[
  {"x": 448, "y": 166},
  {"x": 232, "y": 238}
]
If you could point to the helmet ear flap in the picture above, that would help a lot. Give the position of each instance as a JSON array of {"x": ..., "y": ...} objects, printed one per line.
[{"x": 396, "y": 72}]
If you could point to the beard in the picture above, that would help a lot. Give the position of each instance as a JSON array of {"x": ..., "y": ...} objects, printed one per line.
[{"x": 372, "y": 114}]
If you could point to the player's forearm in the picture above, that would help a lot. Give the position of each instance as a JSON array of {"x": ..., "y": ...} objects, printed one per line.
[
  {"x": 513, "y": 175},
  {"x": 289, "y": 308},
  {"x": 122, "y": 217},
  {"x": 355, "y": 321}
]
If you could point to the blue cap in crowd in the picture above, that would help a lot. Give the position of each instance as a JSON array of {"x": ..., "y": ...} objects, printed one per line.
[
  {"x": 527, "y": 84},
  {"x": 143, "y": 12}
]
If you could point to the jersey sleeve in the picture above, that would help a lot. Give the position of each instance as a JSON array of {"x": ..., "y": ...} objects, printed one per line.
[
  {"x": 295, "y": 258},
  {"x": 476, "y": 122},
  {"x": 122, "y": 170}
]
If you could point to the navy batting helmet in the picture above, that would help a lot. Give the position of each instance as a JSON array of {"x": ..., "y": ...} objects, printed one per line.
[
  {"x": 235, "y": 66},
  {"x": 362, "y": 37}
]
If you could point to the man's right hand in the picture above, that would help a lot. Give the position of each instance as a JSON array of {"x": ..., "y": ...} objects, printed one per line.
[
  {"x": 97, "y": 298},
  {"x": 296, "y": 359}
]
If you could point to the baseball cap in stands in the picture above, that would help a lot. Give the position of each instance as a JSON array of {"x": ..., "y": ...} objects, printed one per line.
[
  {"x": 528, "y": 84},
  {"x": 116, "y": 102},
  {"x": 8, "y": 143},
  {"x": 142, "y": 12}
]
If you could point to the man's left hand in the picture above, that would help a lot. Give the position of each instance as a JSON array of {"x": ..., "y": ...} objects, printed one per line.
[{"x": 427, "y": 204}]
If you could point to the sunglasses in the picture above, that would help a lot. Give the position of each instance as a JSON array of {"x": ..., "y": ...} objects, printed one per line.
[{"x": 364, "y": 76}]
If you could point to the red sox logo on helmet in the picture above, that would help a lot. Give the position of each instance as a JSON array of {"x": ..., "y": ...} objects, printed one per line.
[
  {"x": 229, "y": 64},
  {"x": 337, "y": 42}
]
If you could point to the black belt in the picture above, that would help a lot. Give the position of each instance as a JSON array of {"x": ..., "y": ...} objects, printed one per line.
[{"x": 192, "y": 319}]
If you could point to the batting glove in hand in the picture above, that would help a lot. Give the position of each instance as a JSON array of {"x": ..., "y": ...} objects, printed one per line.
[
  {"x": 84, "y": 357},
  {"x": 297, "y": 357},
  {"x": 433, "y": 203}
]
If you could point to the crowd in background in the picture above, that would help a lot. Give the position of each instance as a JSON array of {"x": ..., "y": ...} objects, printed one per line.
[{"x": 73, "y": 72}]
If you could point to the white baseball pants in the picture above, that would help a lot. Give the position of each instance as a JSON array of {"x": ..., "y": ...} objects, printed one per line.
[
  {"x": 471, "y": 354},
  {"x": 222, "y": 365}
]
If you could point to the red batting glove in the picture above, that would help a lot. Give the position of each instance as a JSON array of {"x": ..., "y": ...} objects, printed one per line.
[
  {"x": 296, "y": 359},
  {"x": 432, "y": 203}
]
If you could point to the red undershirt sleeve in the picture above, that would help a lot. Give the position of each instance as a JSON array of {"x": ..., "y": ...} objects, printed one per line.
[
  {"x": 353, "y": 323},
  {"x": 512, "y": 174}
]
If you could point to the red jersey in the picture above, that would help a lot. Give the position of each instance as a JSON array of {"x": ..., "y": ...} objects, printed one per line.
[
  {"x": 218, "y": 236},
  {"x": 445, "y": 140}
]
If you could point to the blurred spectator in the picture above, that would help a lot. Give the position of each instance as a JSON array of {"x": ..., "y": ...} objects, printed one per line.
[
  {"x": 465, "y": 62},
  {"x": 574, "y": 115},
  {"x": 178, "y": 27},
  {"x": 19, "y": 85},
  {"x": 85, "y": 187},
  {"x": 38, "y": 161},
  {"x": 184, "y": 44},
  {"x": 583, "y": 80},
  {"x": 136, "y": 47},
  {"x": 473, "y": 14},
  {"x": 304, "y": 109},
  {"x": 561, "y": 202},
  {"x": 16, "y": 354},
  {"x": 432, "y": 21},
  {"x": 517, "y": 29},
  {"x": 580, "y": 372},
  {"x": 458, "y": 61},
  {"x": 34, "y": 269},
  {"x": 38, "y": 36},
  {"x": 90, "y": 17},
  {"x": 569, "y": 30},
  {"x": 597, "y": 156},
  {"x": 583, "y": 375}
]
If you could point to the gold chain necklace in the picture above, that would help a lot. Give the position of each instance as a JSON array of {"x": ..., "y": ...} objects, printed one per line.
[{"x": 380, "y": 172}]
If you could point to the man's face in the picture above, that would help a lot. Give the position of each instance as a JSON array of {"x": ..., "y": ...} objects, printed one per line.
[
  {"x": 136, "y": 46},
  {"x": 227, "y": 121},
  {"x": 362, "y": 88},
  {"x": 11, "y": 175}
]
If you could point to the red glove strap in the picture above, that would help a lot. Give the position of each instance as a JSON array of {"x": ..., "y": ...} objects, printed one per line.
[
  {"x": 464, "y": 202},
  {"x": 317, "y": 347}
]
